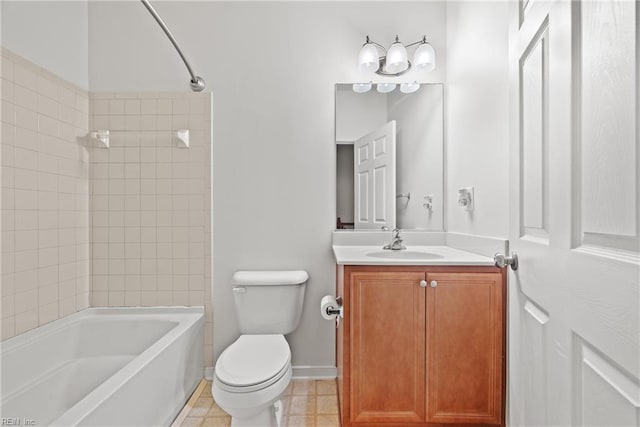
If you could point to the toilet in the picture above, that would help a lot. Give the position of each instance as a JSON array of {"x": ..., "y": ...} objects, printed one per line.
[{"x": 253, "y": 372}]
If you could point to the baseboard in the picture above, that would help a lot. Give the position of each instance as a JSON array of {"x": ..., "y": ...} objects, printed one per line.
[
  {"x": 299, "y": 372},
  {"x": 314, "y": 372}
]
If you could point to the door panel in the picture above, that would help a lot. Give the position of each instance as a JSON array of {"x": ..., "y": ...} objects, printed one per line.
[
  {"x": 608, "y": 142},
  {"x": 362, "y": 199},
  {"x": 574, "y": 302},
  {"x": 387, "y": 347},
  {"x": 380, "y": 195},
  {"x": 534, "y": 176},
  {"x": 605, "y": 394}
]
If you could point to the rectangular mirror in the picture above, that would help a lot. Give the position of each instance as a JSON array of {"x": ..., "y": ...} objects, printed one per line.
[{"x": 390, "y": 161}]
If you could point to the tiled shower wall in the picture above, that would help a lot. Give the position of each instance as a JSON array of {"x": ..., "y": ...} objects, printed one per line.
[
  {"x": 150, "y": 202},
  {"x": 85, "y": 226},
  {"x": 45, "y": 196}
]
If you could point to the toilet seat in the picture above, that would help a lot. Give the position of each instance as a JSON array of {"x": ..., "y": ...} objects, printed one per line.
[{"x": 253, "y": 362}]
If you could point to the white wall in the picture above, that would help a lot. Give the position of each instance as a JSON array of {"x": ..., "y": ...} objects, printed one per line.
[
  {"x": 272, "y": 67},
  {"x": 52, "y": 34},
  {"x": 477, "y": 116}
]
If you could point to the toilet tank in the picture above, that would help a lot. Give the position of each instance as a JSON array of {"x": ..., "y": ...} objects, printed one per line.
[{"x": 269, "y": 302}]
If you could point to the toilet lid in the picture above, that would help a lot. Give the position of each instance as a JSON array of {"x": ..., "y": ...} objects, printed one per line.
[{"x": 252, "y": 360}]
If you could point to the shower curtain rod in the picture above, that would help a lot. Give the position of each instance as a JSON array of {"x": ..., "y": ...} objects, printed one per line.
[{"x": 197, "y": 82}]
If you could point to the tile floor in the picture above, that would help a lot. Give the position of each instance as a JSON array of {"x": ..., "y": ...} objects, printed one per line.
[{"x": 307, "y": 403}]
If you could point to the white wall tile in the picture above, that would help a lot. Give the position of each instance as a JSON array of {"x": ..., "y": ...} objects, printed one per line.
[
  {"x": 67, "y": 306},
  {"x": 25, "y": 321},
  {"x": 100, "y": 299},
  {"x": 25, "y": 301},
  {"x": 25, "y": 240},
  {"x": 116, "y": 106},
  {"x": 148, "y": 299},
  {"x": 47, "y": 87},
  {"x": 116, "y": 299},
  {"x": 7, "y": 306}
]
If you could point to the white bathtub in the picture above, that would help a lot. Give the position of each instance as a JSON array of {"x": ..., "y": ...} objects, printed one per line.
[{"x": 104, "y": 367}]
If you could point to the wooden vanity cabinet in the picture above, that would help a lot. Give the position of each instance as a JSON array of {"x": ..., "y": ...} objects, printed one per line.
[{"x": 421, "y": 355}]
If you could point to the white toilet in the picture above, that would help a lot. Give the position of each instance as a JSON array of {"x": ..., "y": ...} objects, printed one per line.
[{"x": 253, "y": 372}]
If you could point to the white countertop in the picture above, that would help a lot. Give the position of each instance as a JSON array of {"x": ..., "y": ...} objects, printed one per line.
[{"x": 413, "y": 255}]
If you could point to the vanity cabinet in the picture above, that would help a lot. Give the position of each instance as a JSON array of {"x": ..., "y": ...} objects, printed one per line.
[{"x": 421, "y": 346}]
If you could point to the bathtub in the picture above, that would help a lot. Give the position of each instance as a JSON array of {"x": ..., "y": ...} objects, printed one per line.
[{"x": 103, "y": 367}]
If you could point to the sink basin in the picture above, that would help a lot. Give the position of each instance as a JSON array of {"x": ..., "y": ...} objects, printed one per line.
[{"x": 403, "y": 255}]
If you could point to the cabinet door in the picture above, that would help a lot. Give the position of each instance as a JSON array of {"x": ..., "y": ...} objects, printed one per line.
[
  {"x": 388, "y": 347},
  {"x": 464, "y": 348}
]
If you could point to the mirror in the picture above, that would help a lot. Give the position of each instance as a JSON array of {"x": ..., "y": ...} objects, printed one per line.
[{"x": 390, "y": 163}]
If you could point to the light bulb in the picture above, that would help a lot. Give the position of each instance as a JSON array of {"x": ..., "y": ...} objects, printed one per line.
[
  {"x": 396, "y": 58},
  {"x": 425, "y": 57},
  {"x": 409, "y": 87},
  {"x": 368, "y": 60},
  {"x": 385, "y": 87},
  {"x": 361, "y": 87}
]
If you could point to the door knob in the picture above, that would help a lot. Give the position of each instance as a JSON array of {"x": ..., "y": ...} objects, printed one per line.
[
  {"x": 433, "y": 284},
  {"x": 501, "y": 261},
  {"x": 423, "y": 283}
]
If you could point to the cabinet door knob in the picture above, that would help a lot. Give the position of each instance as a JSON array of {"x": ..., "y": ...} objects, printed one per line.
[
  {"x": 433, "y": 284},
  {"x": 423, "y": 283}
]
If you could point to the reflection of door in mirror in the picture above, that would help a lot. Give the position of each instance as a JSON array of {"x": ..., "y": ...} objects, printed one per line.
[
  {"x": 418, "y": 193},
  {"x": 375, "y": 178}
]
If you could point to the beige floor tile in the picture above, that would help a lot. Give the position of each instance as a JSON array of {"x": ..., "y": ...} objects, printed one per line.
[
  {"x": 287, "y": 391},
  {"x": 216, "y": 422},
  {"x": 206, "y": 392},
  {"x": 301, "y": 421},
  {"x": 326, "y": 387},
  {"x": 216, "y": 411},
  {"x": 327, "y": 421},
  {"x": 326, "y": 404},
  {"x": 202, "y": 407},
  {"x": 304, "y": 387},
  {"x": 192, "y": 422},
  {"x": 302, "y": 405}
]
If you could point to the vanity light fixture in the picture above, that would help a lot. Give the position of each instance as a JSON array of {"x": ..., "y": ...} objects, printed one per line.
[
  {"x": 395, "y": 62},
  {"x": 409, "y": 87},
  {"x": 385, "y": 87},
  {"x": 362, "y": 87}
]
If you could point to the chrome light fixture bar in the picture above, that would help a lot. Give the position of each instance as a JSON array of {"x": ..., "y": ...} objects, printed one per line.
[
  {"x": 394, "y": 62},
  {"x": 197, "y": 83}
]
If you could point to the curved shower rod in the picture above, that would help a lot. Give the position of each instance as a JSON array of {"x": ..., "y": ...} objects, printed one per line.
[{"x": 197, "y": 82}]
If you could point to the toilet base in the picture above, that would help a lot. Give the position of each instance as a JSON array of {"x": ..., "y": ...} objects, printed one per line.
[{"x": 270, "y": 417}]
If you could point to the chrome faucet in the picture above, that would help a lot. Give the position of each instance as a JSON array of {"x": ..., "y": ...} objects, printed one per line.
[{"x": 396, "y": 241}]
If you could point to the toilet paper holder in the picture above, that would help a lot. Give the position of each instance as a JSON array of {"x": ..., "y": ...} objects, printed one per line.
[{"x": 336, "y": 310}]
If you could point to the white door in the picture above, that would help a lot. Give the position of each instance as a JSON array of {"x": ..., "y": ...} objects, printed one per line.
[
  {"x": 375, "y": 178},
  {"x": 574, "y": 307}
]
